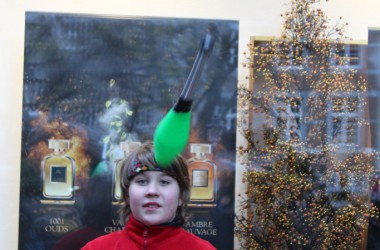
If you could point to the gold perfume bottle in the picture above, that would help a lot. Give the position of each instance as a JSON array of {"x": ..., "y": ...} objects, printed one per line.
[
  {"x": 58, "y": 174},
  {"x": 126, "y": 146},
  {"x": 203, "y": 177}
]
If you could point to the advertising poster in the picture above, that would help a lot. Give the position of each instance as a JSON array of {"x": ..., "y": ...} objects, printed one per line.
[
  {"x": 373, "y": 71},
  {"x": 95, "y": 86}
]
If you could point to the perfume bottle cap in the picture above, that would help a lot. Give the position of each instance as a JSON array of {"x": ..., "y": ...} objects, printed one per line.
[
  {"x": 128, "y": 146},
  {"x": 59, "y": 144},
  {"x": 198, "y": 148}
]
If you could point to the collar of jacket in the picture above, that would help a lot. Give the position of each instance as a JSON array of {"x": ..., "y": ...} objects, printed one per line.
[{"x": 150, "y": 235}]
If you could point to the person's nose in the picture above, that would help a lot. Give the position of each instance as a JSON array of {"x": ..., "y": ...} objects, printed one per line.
[{"x": 152, "y": 189}]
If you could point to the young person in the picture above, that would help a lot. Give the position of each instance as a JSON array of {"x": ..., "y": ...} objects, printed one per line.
[{"x": 154, "y": 203}]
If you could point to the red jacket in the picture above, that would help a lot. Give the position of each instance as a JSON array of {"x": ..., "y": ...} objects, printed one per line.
[{"x": 137, "y": 236}]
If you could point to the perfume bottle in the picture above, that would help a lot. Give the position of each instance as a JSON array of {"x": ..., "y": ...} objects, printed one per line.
[
  {"x": 126, "y": 146},
  {"x": 202, "y": 173},
  {"x": 58, "y": 174}
]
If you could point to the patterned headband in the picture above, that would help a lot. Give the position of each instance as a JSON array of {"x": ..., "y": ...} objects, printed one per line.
[{"x": 138, "y": 168}]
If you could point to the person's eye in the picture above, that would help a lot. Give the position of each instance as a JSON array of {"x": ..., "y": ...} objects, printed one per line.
[
  {"x": 165, "y": 182},
  {"x": 141, "y": 181}
]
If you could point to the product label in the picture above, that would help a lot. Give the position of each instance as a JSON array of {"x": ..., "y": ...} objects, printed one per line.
[
  {"x": 201, "y": 228},
  {"x": 58, "y": 174},
  {"x": 200, "y": 178},
  {"x": 56, "y": 225},
  {"x": 117, "y": 225}
]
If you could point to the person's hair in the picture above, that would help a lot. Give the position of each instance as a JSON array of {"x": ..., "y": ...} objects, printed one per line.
[{"x": 144, "y": 155}]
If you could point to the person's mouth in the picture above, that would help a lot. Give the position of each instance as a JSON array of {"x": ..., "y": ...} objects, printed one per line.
[{"x": 151, "y": 205}]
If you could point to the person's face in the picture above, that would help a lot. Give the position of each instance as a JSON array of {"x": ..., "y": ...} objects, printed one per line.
[{"x": 154, "y": 197}]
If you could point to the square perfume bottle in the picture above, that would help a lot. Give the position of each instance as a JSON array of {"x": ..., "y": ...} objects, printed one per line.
[
  {"x": 203, "y": 178},
  {"x": 58, "y": 175}
]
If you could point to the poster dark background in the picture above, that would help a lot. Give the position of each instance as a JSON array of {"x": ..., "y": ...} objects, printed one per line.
[{"x": 80, "y": 75}]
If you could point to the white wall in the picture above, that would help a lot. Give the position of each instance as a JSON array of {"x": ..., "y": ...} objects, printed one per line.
[{"x": 257, "y": 17}]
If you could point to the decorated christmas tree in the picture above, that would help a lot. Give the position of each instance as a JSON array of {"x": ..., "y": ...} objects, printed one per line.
[{"x": 308, "y": 175}]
